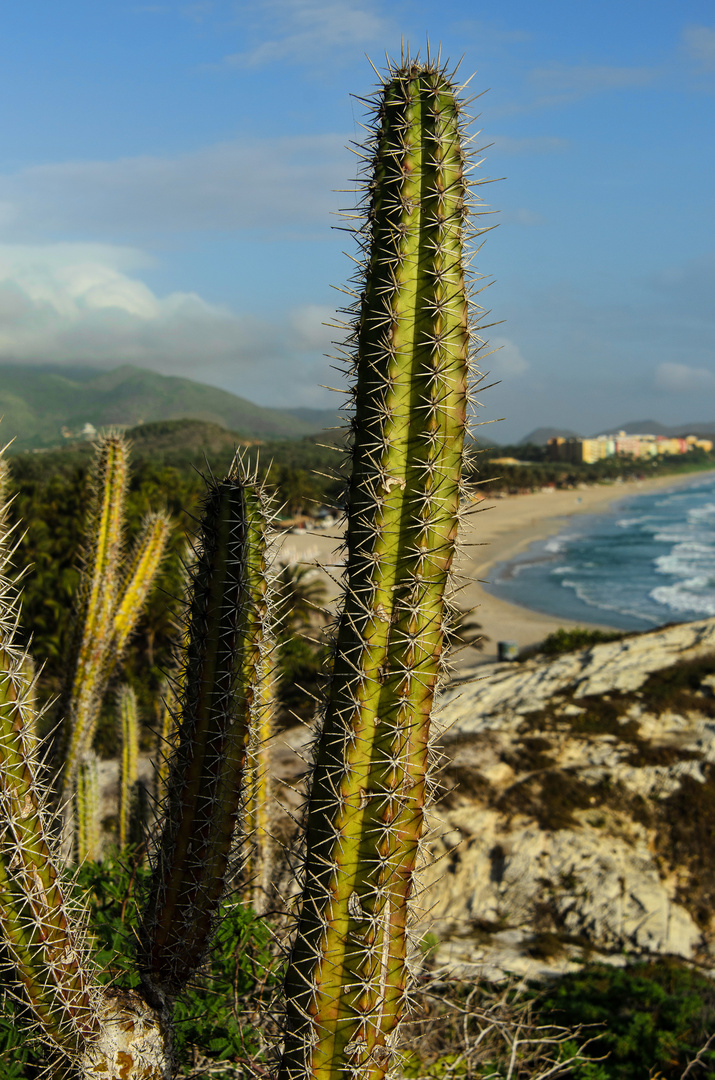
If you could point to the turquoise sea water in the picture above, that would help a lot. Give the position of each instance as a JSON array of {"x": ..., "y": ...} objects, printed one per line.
[{"x": 649, "y": 561}]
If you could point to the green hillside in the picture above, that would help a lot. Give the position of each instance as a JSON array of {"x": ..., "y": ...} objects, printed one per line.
[{"x": 36, "y": 403}]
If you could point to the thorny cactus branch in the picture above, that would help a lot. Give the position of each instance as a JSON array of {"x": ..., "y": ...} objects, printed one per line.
[
  {"x": 91, "y": 1031},
  {"x": 347, "y": 981},
  {"x": 222, "y": 698},
  {"x": 128, "y": 770},
  {"x": 89, "y": 810},
  {"x": 97, "y": 599},
  {"x": 138, "y": 579}
]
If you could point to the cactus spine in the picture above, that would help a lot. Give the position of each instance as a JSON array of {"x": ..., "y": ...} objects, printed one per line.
[
  {"x": 128, "y": 771},
  {"x": 221, "y": 701},
  {"x": 346, "y": 983}
]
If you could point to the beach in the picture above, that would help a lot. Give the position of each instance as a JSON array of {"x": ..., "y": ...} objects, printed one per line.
[{"x": 496, "y": 530}]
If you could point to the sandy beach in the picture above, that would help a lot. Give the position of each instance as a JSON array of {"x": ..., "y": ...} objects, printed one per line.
[{"x": 496, "y": 530}]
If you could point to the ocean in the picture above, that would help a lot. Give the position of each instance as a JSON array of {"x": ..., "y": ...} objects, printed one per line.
[{"x": 649, "y": 561}]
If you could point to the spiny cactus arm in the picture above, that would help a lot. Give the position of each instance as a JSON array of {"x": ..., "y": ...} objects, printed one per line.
[
  {"x": 228, "y": 628},
  {"x": 346, "y": 980},
  {"x": 43, "y": 941},
  {"x": 257, "y": 813},
  {"x": 140, "y": 575},
  {"x": 95, "y": 1032},
  {"x": 129, "y": 724},
  {"x": 89, "y": 810},
  {"x": 97, "y": 599}
]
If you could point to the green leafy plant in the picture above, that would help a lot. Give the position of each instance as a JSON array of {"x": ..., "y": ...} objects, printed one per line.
[{"x": 644, "y": 1020}]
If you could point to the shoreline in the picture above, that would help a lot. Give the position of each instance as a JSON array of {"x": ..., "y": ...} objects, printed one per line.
[
  {"x": 496, "y": 530},
  {"x": 506, "y": 527}
]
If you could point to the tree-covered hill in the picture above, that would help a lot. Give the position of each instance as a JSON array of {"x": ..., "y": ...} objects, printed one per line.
[{"x": 44, "y": 406}]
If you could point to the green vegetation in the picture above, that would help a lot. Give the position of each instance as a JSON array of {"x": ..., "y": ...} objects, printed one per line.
[
  {"x": 222, "y": 1016},
  {"x": 37, "y": 403},
  {"x": 565, "y": 641},
  {"x": 645, "y": 1020}
]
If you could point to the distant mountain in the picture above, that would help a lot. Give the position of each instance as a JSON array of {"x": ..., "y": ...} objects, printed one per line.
[
  {"x": 540, "y": 436},
  {"x": 703, "y": 429},
  {"x": 38, "y": 402},
  {"x": 706, "y": 429}
]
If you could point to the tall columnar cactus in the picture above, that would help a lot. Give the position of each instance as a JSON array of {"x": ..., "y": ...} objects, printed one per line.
[
  {"x": 222, "y": 698},
  {"x": 97, "y": 599},
  {"x": 112, "y": 596},
  {"x": 347, "y": 981},
  {"x": 128, "y": 768}
]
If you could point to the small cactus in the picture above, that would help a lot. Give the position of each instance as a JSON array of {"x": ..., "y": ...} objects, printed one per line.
[
  {"x": 89, "y": 811},
  {"x": 128, "y": 771}
]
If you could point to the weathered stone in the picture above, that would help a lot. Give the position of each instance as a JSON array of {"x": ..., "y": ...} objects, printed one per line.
[{"x": 555, "y": 822}]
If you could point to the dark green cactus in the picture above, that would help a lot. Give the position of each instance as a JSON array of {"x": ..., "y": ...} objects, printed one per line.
[
  {"x": 410, "y": 344},
  {"x": 222, "y": 699}
]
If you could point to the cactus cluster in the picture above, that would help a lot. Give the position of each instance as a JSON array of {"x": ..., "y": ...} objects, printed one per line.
[
  {"x": 409, "y": 349},
  {"x": 112, "y": 593}
]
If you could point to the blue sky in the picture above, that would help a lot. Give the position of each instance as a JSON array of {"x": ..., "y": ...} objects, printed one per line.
[{"x": 168, "y": 175}]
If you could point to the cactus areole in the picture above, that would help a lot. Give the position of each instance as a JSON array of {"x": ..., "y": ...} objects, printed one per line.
[{"x": 409, "y": 349}]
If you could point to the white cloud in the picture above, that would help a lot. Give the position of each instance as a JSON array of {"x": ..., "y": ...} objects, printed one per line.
[
  {"x": 305, "y": 31},
  {"x": 257, "y": 184},
  {"x": 681, "y": 379},
  {"x": 506, "y": 360},
  {"x": 84, "y": 303},
  {"x": 699, "y": 43}
]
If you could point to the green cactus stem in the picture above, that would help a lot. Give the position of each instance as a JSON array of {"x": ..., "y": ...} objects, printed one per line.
[
  {"x": 112, "y": 596},
  {"x": 41, "y": 933},
  {"x": 128, "y": 770},
  {"x": 410, "y": 347},
  {"x": 39, "y": 927},
  {"x": 258, "y": 801},
  {"x": 139, "y": 576},
  {"x": 90, "y": 1031},
  {"x": 89, "y": 811},
  {"x": 221, "y": 700},
  {"x": 97, "y": 599}
]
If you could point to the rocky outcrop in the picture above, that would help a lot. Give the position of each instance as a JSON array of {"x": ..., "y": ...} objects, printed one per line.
[{"x": 578, "y": 808}]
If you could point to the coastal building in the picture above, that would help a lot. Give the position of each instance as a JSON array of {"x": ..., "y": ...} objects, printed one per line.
[{"x": 639, "y": 446}]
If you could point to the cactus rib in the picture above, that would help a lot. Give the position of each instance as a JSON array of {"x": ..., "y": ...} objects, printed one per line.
[{"x": 346, "y": 983}]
